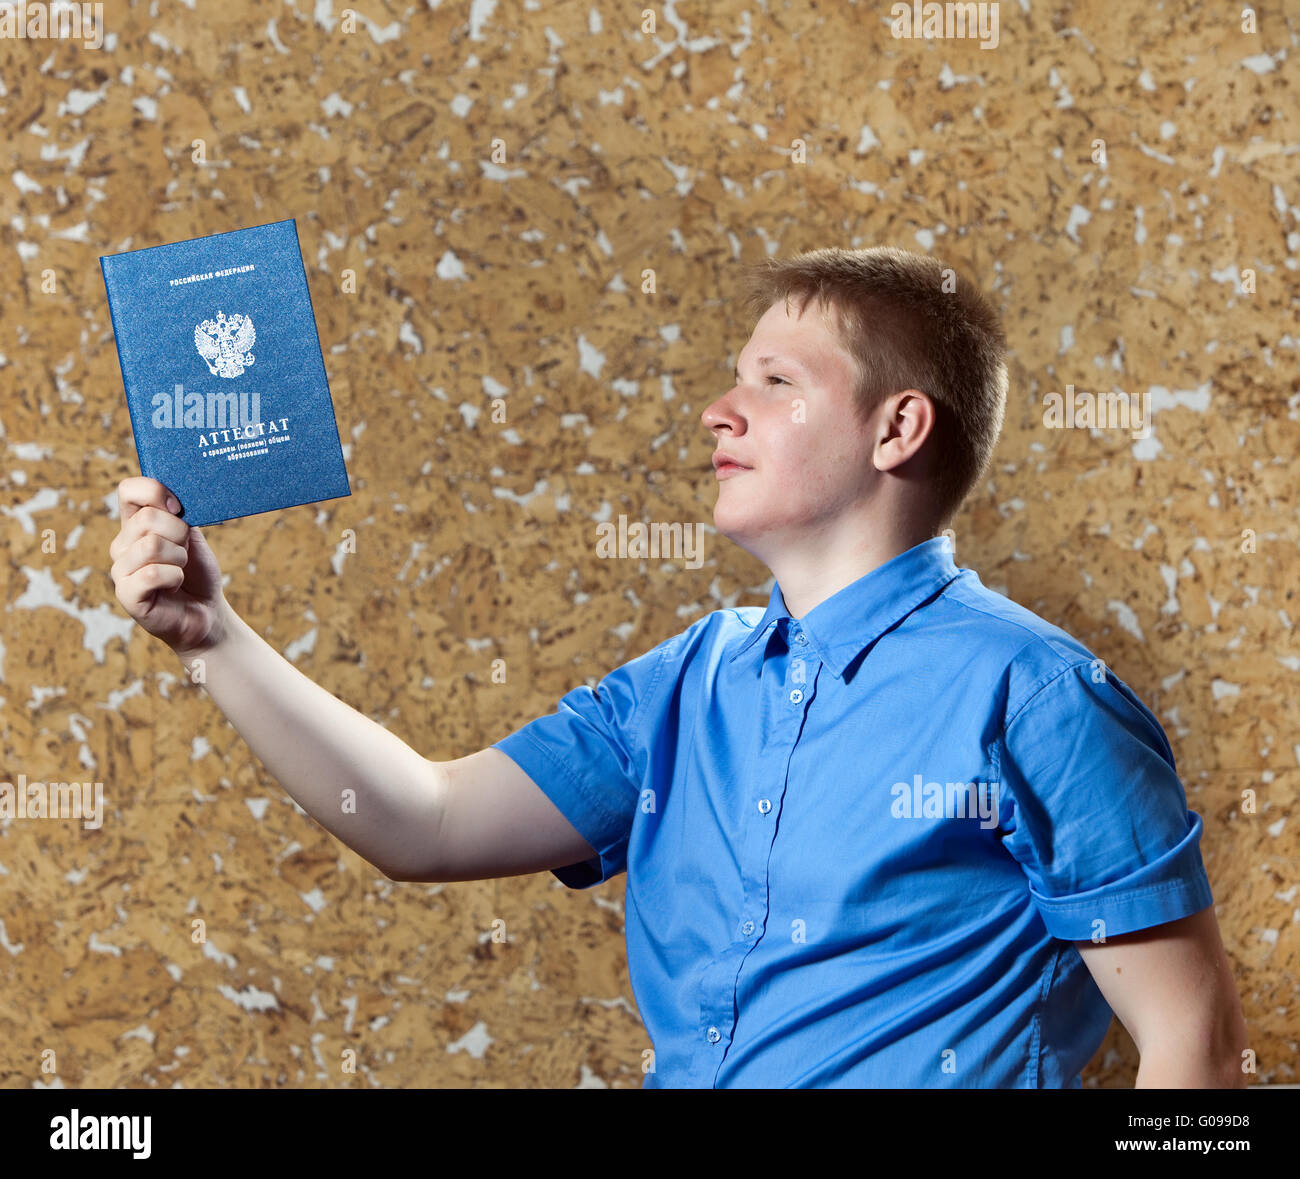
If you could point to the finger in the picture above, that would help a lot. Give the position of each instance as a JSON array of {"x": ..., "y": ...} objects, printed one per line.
[
  {"x": 149, "y": 519},
  {"x": 136, "y": 590},
  {"x": 149, "y": 549},
  {"x": 139, "y": 491},
  {"x": 146, "y": 520}
]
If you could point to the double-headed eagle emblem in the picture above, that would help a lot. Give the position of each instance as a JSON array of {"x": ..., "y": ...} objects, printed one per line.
[{"x": 225, "y": 343}]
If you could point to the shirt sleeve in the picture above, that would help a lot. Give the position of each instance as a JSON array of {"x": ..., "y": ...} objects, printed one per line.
[
  {"x": 1094, "y": 812},
  {"x": 590, "y": 759}
]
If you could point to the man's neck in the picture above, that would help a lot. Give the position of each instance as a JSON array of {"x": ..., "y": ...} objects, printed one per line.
[{"x": 808, "y": 577}]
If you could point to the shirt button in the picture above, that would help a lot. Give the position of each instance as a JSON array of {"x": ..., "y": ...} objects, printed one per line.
[
  {"x": 714, "y": 1035},
  {"x": 796, "y": 696},
  {"x": 801, "y": 637},
  {"x": 747, "y": 928},
  {"x": 764, "y": 805}
]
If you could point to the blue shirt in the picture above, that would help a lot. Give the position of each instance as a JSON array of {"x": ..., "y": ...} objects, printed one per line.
[{"x": 860, "y": 844}]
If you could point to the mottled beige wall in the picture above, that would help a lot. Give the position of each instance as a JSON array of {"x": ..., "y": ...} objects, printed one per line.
[{"x": 734, "y": 131}]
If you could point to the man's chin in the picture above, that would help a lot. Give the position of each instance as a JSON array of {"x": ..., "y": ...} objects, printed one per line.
[{"x": 732, "y": 524}]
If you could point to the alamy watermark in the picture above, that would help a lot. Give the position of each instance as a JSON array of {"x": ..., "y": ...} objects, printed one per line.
[
  {"x": 220, "y": 418},
  {"x": 53, "y": 800},
  {"x": 942, "y": 21},
  {"x": 945, "y": 800},
  {"x": 1082, "y": 410},
  {"x": 215, "y": 411},
  {"x": 72, "y": 22},
  {"x": 658, "y": 540}
]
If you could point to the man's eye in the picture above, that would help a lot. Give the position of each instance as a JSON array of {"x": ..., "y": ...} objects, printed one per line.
[{"x": 781, "y": 379}]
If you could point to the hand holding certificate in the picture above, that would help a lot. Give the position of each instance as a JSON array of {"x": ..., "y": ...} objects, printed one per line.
[{"x": 165, "y": 575}]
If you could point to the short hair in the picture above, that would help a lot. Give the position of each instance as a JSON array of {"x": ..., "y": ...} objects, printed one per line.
[{"x": 909, "y": 322}]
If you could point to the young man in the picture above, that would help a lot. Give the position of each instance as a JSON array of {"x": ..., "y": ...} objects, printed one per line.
[{"x": 893, "y": 830}]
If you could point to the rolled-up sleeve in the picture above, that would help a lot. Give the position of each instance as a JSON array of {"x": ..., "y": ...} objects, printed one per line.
[
  {"x": 590, "y": 758},
  {"x": 1093, "y": 810}
]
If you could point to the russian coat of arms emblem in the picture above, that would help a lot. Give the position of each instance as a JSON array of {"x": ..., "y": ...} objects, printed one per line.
[{"x": 225, "y": 344}]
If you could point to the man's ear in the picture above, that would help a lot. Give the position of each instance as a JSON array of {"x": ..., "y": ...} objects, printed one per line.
[{"x": 906, "y": 420}]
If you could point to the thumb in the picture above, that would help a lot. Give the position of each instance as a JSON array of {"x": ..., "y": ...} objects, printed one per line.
[{"x": 198, "y": 546}]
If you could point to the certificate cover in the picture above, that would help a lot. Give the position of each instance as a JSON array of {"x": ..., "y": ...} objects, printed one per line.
[{"x": 225, "y": 381}]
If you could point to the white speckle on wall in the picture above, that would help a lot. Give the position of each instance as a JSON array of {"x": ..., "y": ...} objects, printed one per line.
[
  {"x": 408, "y": 335},
  {"x": 257, "y": 806},
  {"x": 1126, "y": 618},
  {"x": 590, "y": 1080},
  {"x": 272, "y": 35},
  {"x": 79, "y": 101},
  {"x": 303, "y": 645},
  {"x": 449, "y": 267},
  {"x": 479, "y": 13},
  {"x": 1259, "y": 63},
  {"x": 210, "y": 951},
  {"x": 12, "y": 947},
  {"x": 103, "y": 947},
  {"x": 250, "y": 998},
  {"x": 475, "y": 1041},
  {"x": 590, "y": 359},
  {"x": 1078, "y": 216},
  {"x": 42, "y": 501},
  {"x": 336, "y": 104}
]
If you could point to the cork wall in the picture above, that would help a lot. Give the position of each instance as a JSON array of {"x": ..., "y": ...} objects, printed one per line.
[{"x": 522, "y": 225}]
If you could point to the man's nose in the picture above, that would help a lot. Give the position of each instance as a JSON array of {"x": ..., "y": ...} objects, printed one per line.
[{"x": 720, "y": 412}]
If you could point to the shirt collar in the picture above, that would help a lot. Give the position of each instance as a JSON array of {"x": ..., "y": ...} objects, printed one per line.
[{"x": 852, "y": 618}]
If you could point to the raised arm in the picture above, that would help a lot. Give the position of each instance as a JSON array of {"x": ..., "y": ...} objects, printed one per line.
[{"x": 411, "y": 817}]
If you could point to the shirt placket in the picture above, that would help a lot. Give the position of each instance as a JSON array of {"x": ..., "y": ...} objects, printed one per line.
[{"x": 788, "y": 685}]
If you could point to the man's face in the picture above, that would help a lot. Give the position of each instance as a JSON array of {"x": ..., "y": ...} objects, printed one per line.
[{"x": 793, "y": 423}]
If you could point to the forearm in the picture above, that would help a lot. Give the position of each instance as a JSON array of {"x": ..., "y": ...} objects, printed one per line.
[{"x": 361, "y": 783}]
